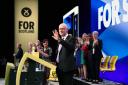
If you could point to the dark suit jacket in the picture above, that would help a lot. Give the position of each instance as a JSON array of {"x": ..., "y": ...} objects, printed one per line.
[
  {"x": 19, "y": 53},
  {"x": 98, "y": 48},
  {"x": 66, "y": 55}
]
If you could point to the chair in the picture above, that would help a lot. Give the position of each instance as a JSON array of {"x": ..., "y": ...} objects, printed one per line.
[
  {"x": 104, "y": 64},
  {"x": 7, "y": 73}
]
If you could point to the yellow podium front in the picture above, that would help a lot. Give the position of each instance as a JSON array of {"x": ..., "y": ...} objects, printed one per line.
[{"x": 35, "y": 56}]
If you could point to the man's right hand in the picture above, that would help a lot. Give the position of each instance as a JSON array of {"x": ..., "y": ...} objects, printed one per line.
[{"x": 55, "y": 35}]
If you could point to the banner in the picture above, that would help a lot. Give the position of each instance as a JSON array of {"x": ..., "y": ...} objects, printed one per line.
[{"x": 26, "y": 22}]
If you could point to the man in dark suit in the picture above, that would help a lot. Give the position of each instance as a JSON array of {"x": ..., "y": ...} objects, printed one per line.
[
  {"x": 96, "y": 56},
  {"x": 65, "y": 57},
  {"x": 19, "y": 53}
]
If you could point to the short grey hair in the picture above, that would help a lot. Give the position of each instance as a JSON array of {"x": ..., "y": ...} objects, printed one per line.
[
  {"x": 63, "y": 25},
  {"x": 95, "y": 32}
]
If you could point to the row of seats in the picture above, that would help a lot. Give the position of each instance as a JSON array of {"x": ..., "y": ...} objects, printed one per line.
[{"x": 108, "y": 63}]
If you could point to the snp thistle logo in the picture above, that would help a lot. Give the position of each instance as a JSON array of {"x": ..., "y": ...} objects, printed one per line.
[
  {"x": 26, "y": 26},
  {"x": 26, "y": 12}
]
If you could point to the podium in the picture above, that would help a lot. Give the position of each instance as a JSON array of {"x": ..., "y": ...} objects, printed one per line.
[{"x": 35, "y": 57}]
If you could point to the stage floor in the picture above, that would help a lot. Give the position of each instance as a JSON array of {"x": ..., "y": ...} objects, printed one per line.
[
  {"x": 105, "y": 82},
  {"x": 2, "y": 81}
]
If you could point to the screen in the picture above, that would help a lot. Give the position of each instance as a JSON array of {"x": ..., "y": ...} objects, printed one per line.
[
  {"x": 72, "y": 23},
  {"x": 110, "y": 18},
  {"x": 69, "y": 22},
  {"x": 71, "y": 18}
]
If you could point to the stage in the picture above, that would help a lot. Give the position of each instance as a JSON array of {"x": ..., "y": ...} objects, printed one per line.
[{"x": 77, "y": 81}]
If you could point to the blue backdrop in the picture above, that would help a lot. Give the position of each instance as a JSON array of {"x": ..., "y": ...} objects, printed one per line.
[{"x": 115, "y": 41}]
